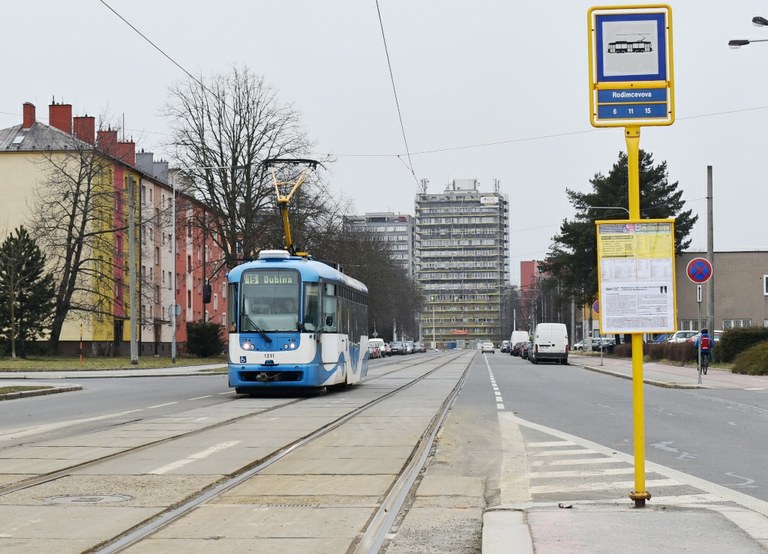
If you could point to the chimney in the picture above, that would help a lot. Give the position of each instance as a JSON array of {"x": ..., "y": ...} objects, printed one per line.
[
  {"x": 29, "y": 115},
  {"x": 106, "y": 141},
  {"x": 85, "y": 128},
  {"x": 60, "y": 116},
  {"x": 126, "y": 151}
]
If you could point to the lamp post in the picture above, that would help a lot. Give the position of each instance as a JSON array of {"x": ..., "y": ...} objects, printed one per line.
[
  {"x": 757, "y": 21},
  {"x": 173, "y": 273}
]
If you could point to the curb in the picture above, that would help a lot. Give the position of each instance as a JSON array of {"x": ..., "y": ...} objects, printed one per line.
[
  {"x": 662, "y": 384},
  {"x": 39, "y": 392}
]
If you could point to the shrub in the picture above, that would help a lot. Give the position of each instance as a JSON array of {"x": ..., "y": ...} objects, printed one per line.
[
  {"x": 681, "y": 352},
  {"x": 204, "y": 339},
  {"x": 753, "y": 361},
  {"x": 735, "y": 341}
]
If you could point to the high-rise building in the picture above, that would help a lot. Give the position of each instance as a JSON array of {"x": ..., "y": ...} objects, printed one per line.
[
  {"x": 461, "y": 263},
  {"x": 396, "y": 230}
]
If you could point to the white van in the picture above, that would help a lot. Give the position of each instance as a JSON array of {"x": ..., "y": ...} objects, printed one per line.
[
  {"x": 519, "y": 336},
  {"x": 550, "y": 343},
  {"x": 376, "y": 348}
]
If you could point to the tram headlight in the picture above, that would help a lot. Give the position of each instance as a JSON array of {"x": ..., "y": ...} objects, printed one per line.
[{"x": 248, "y": 345}]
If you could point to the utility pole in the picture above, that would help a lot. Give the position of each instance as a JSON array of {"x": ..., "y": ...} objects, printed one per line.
[
  {"x": 173, "y": 273},
  {"x": 710, "y": 254},
  {"x": 132, "y": 269}
]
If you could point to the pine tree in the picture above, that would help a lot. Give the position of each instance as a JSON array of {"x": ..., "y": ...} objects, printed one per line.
[
  {"x": 572, "y": 259},
  {"x": 26, "y": 291}
]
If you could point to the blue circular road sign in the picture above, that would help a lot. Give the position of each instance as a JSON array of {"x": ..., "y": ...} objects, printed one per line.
[{"x": 699, "y": 270}]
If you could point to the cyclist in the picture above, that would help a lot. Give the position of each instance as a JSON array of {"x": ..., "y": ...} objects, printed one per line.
[{"x": 705, "y": 343}]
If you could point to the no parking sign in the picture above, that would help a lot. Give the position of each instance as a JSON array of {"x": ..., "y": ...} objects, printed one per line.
[{"x": 699, "y": 270}]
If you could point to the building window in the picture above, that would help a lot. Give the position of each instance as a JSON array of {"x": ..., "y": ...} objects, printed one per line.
[
  {"x": 189, "y": 299},
  {"x": 765, "y": 285},
  {"x": 733, "y": 323}
]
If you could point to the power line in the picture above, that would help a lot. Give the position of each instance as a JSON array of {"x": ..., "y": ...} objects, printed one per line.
[{"x": 397, "y": 101}]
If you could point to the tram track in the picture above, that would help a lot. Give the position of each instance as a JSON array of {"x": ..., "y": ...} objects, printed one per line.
[
  {"x": 380, "y": 521},
  {"x": 51, "y": 476}
]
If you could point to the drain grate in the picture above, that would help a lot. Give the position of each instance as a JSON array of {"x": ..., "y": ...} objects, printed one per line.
[{"x": 88, "y": 499}]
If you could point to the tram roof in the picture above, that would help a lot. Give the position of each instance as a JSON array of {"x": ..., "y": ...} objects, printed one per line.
[{"x": 310, "y": 270}]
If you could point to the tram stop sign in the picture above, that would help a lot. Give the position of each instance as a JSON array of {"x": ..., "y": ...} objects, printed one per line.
[{"x": 699, "y": 270}]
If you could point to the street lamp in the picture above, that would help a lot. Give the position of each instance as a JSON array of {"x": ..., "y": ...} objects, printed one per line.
[
  {"x": 583, "y": 207},
  {"x": 173, "y": 273},
  {"x": 758, "y": 21}
]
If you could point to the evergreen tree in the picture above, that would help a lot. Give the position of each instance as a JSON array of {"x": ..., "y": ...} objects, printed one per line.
[
  {"x": 572, "y": 259},
  {"x": 26, "y": 291}
]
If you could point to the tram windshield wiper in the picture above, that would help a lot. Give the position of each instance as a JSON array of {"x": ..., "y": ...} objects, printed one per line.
[{"x": 258, "y": 329}]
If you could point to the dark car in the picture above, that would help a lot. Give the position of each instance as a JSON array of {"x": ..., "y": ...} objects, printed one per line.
[
  {"x": 517, "y": 349},
  {"x": 525, "y": 349}
]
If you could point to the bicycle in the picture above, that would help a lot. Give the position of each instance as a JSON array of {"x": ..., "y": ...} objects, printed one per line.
[{"x": 703, "y": 363}]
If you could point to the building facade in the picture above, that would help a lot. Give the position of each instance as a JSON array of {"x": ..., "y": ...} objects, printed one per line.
[
  {"x": 461, "y": 263},
  {"x": 395, "y": 230},
  {"x": 740, "y": 280},
  {"x": 34, "y": 156}
]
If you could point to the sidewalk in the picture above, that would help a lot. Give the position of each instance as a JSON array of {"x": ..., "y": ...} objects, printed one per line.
[
  {"x": 610, "y": 527},
  {"x": 671, "y": 376}
]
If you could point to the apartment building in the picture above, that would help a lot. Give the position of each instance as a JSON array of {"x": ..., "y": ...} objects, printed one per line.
[
  {"x": 461, "y": 263},
  {"x": 395, "y": 230},
  {"x": 34, "y": 155}
]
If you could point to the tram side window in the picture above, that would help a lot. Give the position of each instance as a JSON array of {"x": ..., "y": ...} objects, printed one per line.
[
  {"x": 330, "y": 305},
  {"x": 232, "y": 308},
  {"x": 311, "y": 306}
]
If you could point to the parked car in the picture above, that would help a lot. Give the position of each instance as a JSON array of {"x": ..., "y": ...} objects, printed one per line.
[
  {"x": 578, "y": 345},
  {"x": 505, "y": 346},
  {"x": 387, "y": 349},
  {"x": 681, "y": 336},
  {"x": 519, "y": 336},
  {"x": 409, "y": 347},
  {"x": 397, "y": 347},
  {"x": 715, "y": 335},
  {"x": 526, "y": 348},
  {"x": 487, "y": 346},
  {"x": 603, "y": 343},
  {"x": 517, "y": 348}
]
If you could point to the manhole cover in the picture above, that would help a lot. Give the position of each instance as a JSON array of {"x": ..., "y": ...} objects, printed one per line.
[{"x": 88, "y": 499}]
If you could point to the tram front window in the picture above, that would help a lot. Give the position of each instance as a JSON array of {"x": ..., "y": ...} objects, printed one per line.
[{"x": 270, "y": 301}]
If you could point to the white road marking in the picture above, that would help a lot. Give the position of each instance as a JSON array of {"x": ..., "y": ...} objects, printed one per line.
[
  {"x": 201, "y": 397},
  {"x": 547, "y": 444},
  {"x": 588, "y": 487},
  {"x": 595, "y": 473},
  {"x": 586, "y": 461},
  {"x": 161, "y": 405},
  {"x": 39, "y": 429},
  {"x": 719, "y": 491},
  {"x": 194, "y": 457}
]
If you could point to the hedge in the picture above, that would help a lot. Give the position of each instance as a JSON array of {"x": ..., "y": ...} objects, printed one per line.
[
  {"x": 736, "y": 341},
  {"x": 753, "y": 361}
]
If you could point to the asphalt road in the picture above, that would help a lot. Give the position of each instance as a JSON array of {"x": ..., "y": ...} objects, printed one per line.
[
  {"x": 104, "y": 402},
  {"x": 716, "y": 435}
]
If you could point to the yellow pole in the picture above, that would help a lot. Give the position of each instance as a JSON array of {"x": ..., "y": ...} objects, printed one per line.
[{"x": 639, "y": 495}]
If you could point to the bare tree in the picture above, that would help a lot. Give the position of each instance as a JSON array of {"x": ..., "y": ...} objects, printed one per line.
[
  {"x": 224, "y": 128},
  {"x": 79, "y": 219}
]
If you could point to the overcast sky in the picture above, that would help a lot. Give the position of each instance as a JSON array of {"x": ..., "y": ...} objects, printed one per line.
[{"x": 488, "y": 89}]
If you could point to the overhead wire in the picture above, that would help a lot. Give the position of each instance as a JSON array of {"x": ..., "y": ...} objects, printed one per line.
[
  {"x": 397, "y": 100},
  {"x": 408, "y": 154}
]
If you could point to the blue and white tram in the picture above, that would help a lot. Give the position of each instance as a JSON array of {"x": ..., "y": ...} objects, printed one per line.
[{"x": 295, "y": 322}]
